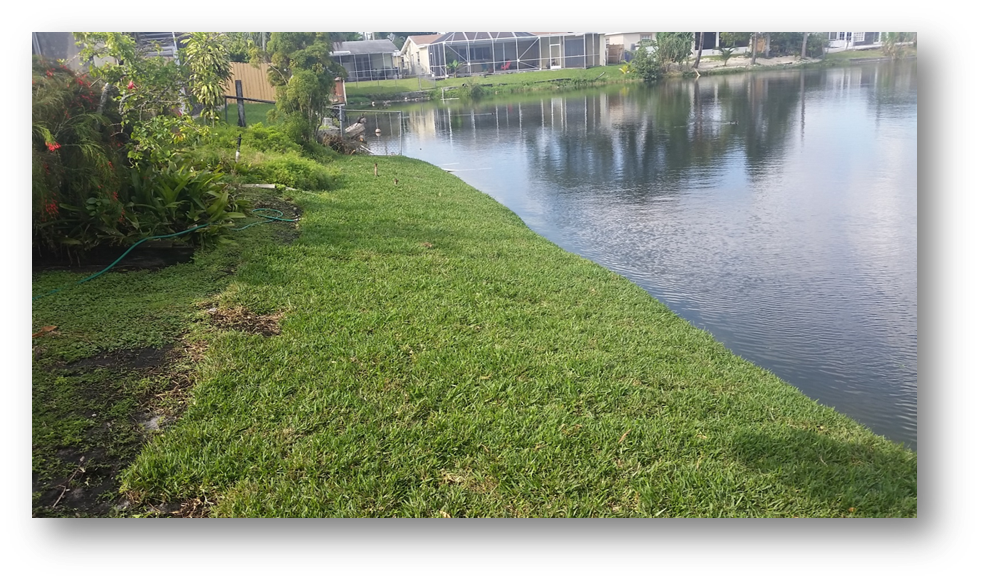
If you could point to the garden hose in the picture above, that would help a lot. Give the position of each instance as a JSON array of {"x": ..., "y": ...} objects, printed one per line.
[{"x": 264, "y": 213}]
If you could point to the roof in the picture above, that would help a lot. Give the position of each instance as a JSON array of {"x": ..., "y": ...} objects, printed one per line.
[
  {"x": 423, "y": 39},
  {"x": 364, "y": 47},
  {"x": 473, "y": 36}
]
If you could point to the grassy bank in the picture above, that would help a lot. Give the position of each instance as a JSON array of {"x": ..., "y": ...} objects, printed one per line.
[
  {"x": 368, "y": 91},
  {"x": 418, "y": 351}
]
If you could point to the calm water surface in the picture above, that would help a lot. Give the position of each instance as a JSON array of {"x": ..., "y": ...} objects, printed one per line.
[{"x": 777, "y": 210}]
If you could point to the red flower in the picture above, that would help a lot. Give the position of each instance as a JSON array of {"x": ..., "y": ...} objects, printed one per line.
[
  {"x": 52, "y": 147},
  {"x": 51, "y": 209},
  {"x": 131, "y": 85},
  {"x": 50, "y": 74}
]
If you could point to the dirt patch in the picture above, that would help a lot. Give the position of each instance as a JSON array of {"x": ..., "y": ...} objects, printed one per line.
[
  {"x": 150, "y": 256},
  {"x": 135, "y": 359},
  {"x": 194, "y": 508},
  {"x": 87, "y": 485},
  {"x": 240, "y": 319},
  {"x": 119, "y": 400}
]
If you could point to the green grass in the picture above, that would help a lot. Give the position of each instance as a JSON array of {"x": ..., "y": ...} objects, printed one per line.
[
  {"x": 115, "y": 360},
  {"x": 254, "y": 112},
  {"x": 436, "y": 357},
  {"x": 845, "y": 56},
  {"x": 529, "y": 80}
]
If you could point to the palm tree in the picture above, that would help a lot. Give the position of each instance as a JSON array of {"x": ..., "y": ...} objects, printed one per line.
[{"x": 699, "y": 52}]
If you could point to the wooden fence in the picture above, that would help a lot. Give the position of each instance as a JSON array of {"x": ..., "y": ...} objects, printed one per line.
[{"x": 254, "y": 82}]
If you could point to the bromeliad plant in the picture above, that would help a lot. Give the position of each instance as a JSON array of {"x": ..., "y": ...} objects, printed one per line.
[{"x": 176, "y": 197}]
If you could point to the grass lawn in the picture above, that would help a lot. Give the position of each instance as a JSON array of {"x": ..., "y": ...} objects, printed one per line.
[
  {"x": 254, "y": 112},
  {"x": 418, "y": 351},
  {"x": 387, "y": 89}
]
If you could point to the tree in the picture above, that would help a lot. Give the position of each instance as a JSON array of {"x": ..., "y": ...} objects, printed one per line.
[
  {"x": 734, "y": 39},
  {"x": 206, "y": 55},
  {"x": 674, "y": 47},
  {"x": 699, "y": 53},
  {"x": 301, "y": 69},
  {"x": 242, "y": 45},
  {"x": 147, "y": 91},
  {"x": 896, "y": 44},
  {"x": 645, "y": 63}
]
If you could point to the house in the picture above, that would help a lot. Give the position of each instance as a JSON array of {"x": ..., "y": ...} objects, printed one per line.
[
  {"x": 367, "y": 60},
  {"x": 841, "y": 41},
  {"x": 414, "y": 56},
  {"x": 61, "y": 46},
  {"x": 621, "y": 45},
  {"x": 483, "y": 53},
  {"x": 159, "y": 44},
  {"x": 712, "y": 43}
]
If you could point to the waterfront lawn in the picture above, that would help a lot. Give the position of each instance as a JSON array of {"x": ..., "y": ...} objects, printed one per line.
[{"x": 431, "y": 356}]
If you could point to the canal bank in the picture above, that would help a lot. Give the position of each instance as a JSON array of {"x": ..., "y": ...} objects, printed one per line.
[
  {"x": 384, "y": 94},
  {"x": 435, "y": 357}
]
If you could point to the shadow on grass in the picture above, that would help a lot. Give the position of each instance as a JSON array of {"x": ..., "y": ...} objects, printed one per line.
[{"x": 861, "y": 478}]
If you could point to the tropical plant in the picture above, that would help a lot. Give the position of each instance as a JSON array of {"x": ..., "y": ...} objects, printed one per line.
[
  {"x": 645, "y": 63},
  {"x": 175, "y": 197},
  {"x": 75, "y": 159},
  {"x": 301, "y": 69},
  {"x": 898, "y": 44},
  {"x": 699, "y": 42},
  {"x": 673, "y": 48},
  {"x": 452, "y": 67},
  {"x": 725, "y": 53},
  {"x": 206, "y": 55},
  {"x": 734, "y": 39}
]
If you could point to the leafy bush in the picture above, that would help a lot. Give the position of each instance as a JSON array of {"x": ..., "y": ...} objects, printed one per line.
[
  {"x": 257, "y": 138},
  {"x": 175, "y": 197},
  {"x": 76, "y": 161},
  {"x": 289, "y": 169},
  {"x": 645, "y": 63}
]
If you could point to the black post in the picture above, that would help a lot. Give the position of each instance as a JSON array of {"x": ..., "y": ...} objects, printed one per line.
[{"x": 238, "y": 93}]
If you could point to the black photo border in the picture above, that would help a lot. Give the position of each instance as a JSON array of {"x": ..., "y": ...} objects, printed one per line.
[{"x": 707, "y": 543}]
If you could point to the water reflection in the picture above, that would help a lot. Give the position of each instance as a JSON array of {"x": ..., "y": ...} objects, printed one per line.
[{"x": 778, "y": 210}]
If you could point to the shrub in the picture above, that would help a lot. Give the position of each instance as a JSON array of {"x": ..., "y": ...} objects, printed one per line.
[
  {"x": 290, "y": 169},
  {"x": 176, "y": 197},
  {"x": 76, "y": 161},
  {"x": 256, "y": 137}
]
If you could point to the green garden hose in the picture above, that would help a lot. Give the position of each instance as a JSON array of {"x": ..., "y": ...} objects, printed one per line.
[{"x": 259, "y": 212}]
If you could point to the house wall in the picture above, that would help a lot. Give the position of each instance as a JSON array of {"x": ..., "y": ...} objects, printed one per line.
[
  {"x": 416, "y": 59},
  {"x": 847, "y": 40},
  {"x": 61, "y": 45}
]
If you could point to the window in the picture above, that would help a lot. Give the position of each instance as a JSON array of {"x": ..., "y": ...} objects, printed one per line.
[
  {"x": 480, "y": 53},
  {"x": 859, "y": 36},
  {"x": 645, "y": 37}
]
